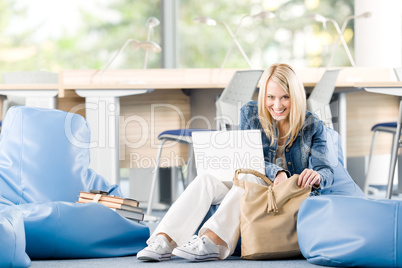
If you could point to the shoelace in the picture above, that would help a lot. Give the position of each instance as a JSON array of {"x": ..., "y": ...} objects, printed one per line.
[
  {"x": 195, "y": 242},
  {"x": 156, "y": 242}
]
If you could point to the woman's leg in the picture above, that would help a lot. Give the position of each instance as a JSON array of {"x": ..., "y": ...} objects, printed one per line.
[
  {"x": 225, "y": 223},
  {"x": 187, "y": 212}
]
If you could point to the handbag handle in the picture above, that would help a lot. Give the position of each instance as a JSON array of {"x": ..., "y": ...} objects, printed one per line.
[
  {"x": 254, "y": 172},
  {"x": 271, "y": 202}
]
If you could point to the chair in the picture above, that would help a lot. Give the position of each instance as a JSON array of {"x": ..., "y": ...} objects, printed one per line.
[
  {"x": 365, "y": 232},
  {"x": 238, "y": 92},
  {"x": 320, "y": 98},
  {"x": 44, "y": 162},
  {"x": 387, "y": 127}
]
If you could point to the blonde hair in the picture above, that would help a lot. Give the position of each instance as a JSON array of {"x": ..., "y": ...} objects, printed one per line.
[{"x": 284, "y": 75}]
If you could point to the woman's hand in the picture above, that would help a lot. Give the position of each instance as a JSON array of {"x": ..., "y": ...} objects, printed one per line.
[
  {"x": 280, "y": 177},
  {"x": 309, "y": 177}
]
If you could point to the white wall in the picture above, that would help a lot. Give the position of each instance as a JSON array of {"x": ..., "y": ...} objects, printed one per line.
[{"x": 378, "y": 40}]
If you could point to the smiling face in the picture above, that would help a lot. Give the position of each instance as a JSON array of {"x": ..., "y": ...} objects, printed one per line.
[{"x": 277, "y": 101}]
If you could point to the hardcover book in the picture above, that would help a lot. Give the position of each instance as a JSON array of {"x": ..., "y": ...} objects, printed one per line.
[
  {"x": 111, "y": 198},
  {"x": 130, "y": 214},
  {"x": 110, "y": 204},
  {"x": 126, "y": 207}
]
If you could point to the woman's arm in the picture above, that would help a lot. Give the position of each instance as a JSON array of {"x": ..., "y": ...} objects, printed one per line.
[
  {"x": 273, "y": 172},
  {"x": 318, "y": 160}
]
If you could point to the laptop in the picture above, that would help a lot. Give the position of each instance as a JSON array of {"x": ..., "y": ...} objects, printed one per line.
[{"x": 220, "y": 153}]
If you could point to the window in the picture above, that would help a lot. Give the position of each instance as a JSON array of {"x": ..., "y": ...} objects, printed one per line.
[
  {"x": 292, "y": 36},
  {"x": 87, "y": 34}
]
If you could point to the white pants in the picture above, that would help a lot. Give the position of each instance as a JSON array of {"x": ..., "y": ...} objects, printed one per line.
[{"x": 186, "y": 214}]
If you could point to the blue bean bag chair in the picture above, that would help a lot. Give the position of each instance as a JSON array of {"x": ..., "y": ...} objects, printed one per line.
[
  {"x": 345, "y": 229},
  {"x": 342, "y": 184},
  {"x": 44, "y": 159},
  {"x": 349, "y": 231},
  {"x": 12, "y": 233}
]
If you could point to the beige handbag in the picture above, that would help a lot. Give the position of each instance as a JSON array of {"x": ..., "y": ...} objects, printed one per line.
[{"x": 268, "y": 217}]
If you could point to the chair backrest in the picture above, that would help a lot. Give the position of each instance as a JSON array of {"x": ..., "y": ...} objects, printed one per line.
[
  {"x": 343, "y": 183},
  {"x": 238, "y": 92},
  {"x": 320, "y": 98},
  {"x": 28, "y": 77},
  {"x": 398, "y": 73},
  {"x": 44, "y": 157}
]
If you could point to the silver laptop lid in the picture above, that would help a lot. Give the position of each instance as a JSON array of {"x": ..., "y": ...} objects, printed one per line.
[{"x": 220, "y": 153}]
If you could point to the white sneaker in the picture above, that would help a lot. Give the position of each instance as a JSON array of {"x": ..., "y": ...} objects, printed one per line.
[
  {"x": 158, "y": 249},
  {"x": 198, "y": 249}
]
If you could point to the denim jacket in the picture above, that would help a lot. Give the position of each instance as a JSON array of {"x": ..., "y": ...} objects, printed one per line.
[{"x": 307, "y": 151}]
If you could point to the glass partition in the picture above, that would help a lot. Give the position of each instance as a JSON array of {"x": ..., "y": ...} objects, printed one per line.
[
  {"x": 53, "y": 35},
  {"x": 292, "y": 35}
]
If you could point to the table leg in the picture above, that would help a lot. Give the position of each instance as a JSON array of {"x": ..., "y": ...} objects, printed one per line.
[
  {"x": 102, "y": 111},
  {"x": 342, "y": 124},
  {"x": 102, "y": 114},
  {"x": 43, "y": 102}
]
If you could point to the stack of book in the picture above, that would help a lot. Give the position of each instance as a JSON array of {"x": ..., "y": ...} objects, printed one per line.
[{"x": 126, "y": 207}]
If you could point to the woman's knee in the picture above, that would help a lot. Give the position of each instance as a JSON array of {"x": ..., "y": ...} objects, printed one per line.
[
  {"x": 206, "y": 179},
  {"x": 209, "y": 184}
]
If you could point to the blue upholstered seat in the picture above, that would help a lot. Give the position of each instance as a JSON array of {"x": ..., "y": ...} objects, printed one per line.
[
  {"x": 350, "y": 231},
  {"x": 390, "y": 125},
  {"x": 343, "y": 183},
  {"x": 343, "y": 228},
  {"x": 12, "y": 233},
  {"x": 44, "y": 159}
]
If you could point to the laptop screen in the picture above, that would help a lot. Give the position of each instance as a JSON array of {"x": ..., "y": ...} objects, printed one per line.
[{"x": 220, "y": 153}]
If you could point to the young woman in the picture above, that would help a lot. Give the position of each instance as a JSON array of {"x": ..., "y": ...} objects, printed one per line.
[{"x": 294, "y": 143}]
